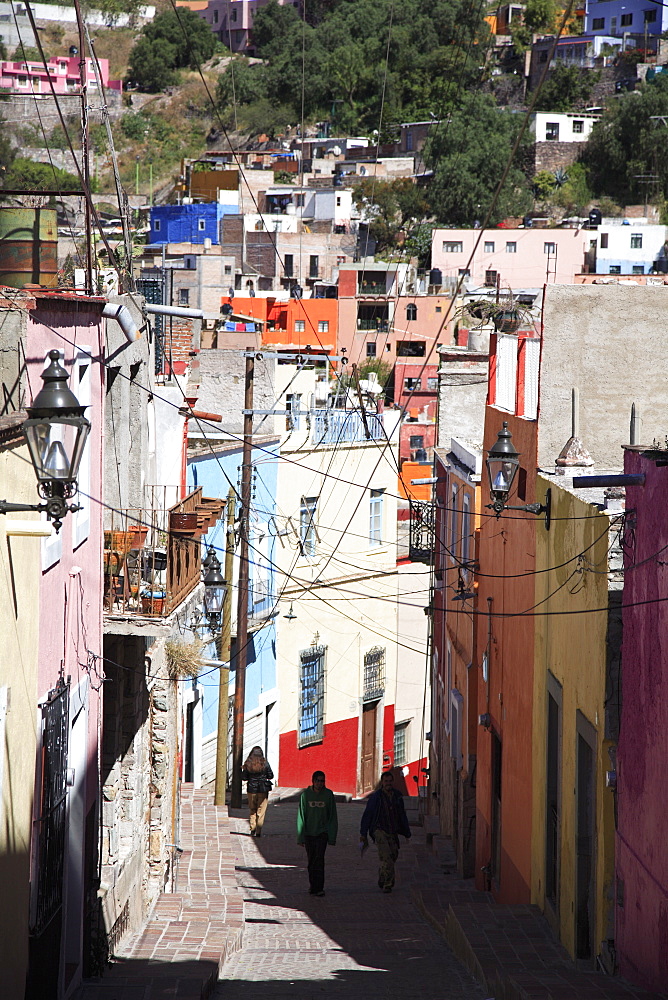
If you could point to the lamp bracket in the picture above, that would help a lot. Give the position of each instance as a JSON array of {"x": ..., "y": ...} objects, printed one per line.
[
  {"x": 55, "y": 509},
  {"x": 530, "y": 508}
]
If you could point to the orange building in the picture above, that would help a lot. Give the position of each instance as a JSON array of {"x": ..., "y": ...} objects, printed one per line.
[{"x": 298, "y": 323}]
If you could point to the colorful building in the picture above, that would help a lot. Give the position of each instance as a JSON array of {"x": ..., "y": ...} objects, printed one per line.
[
  {"x": 578, "y": 580},
  {"x": 63, "y": 76},
  {"x": 641, "y": 892}
]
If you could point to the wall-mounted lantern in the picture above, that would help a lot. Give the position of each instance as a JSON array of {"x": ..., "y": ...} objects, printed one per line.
[{"x": 502, "y": 464}]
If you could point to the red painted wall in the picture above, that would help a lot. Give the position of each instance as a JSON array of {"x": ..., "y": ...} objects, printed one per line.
[
  {"x": 642, "y": 845},
  {"x": 337, "y": 756},
  {"x": 507, "y": 550}
]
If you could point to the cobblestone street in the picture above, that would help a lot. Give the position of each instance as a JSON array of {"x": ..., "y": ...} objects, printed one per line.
[{"x": 355, "y": 942}]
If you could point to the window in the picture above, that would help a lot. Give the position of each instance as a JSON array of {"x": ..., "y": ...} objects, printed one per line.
[
  {"x": 598, "y": 23},
  {"x": 416, "y": 441},
  {"x": 411, "y": 311},
  {"x": 489, "y": 246},
  {"x": 156, "y": 225},
  {"x": 491, "y": 278},
  {"x": 323, "y": 326},
  {"x": 300, "y": 201},
  {"x": 439, "y": 309},
  {"x": 289, "y": 265},
  {"x": 412, "y": 384},
  {"x": 313, "y": 267},
  {"x": 636, "y": 241},
  {"x": 411, "y": 349},
  {"x": 374, "y": 674},
  {"x": 307, "y": 532},
  {"x": 371, "y": 349},
  {"x": 453, "y": 246},
  {"x": 409, "y": 142},
  {"x": 550, "y": 249},
  {"x": 201, "y": 225},
  {"x": 311, "y": 695},
  {"x": 456, "y": 727},
  {"x": 552, "y": 131},
  {"x": 376, "y": 518},
  {"x": 626, "y": 20},
  {"x": 650, "y": 16},
  {"x": 604, "y": 241},
  {"x": 578, "y": 126},
  {"x": 400, "y": 744},
  {"x": 466, "y": 528},
  {"x": 432, "y": 383},
  {"x": 511, "y": 247},
  {"x": 453, "y": 523},
  {"x": 300, "y": 325},
  {"x": 464, "y": 272},
  {"x": 215, "y": 17},
  {"x": 615, "y": 269},
  {"x": 184, "y": 296},
  {"x": 637, "y": 269},
  {"x": 228, "y": 269},
  {"x": 233, "y": 15}
]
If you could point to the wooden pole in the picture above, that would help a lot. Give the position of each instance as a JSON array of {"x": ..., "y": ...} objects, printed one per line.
[
  {"x": 242, "y": 602},
  {"x": 225, "y": 644}
]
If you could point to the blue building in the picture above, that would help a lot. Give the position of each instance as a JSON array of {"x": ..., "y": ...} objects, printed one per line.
[
  {"x": 216, "y": 467},
  {"x": 633, "y": 20},
  {"x": 187, "y": 223}
]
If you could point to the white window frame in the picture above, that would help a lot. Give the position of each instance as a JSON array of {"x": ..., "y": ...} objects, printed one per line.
[
  {"x": 376, "y": 518},
  {"x": 511, "y": 246},
  {"x": 489, "y": 246},
  {"x": 300, "y": 326},
  {"x": 453, "y": 246},
  {"x": 201, "y": 225},
  {"x": 308, "y": 510},
  {"x": 323, "y": 326}
]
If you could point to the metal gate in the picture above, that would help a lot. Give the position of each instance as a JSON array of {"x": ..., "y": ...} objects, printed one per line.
[{"x": 52, "y": 817}]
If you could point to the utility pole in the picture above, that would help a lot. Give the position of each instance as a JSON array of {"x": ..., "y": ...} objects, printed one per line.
[
  {"x": 224, "y": 653},
  {"x": 85, "y": 153},
  {"x": 242, "y": 602}
]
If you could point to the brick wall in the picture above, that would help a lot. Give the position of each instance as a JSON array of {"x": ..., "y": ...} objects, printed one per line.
[{"x": 178, "y": 344}]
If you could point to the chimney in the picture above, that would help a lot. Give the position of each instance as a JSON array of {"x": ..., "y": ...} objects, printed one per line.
[{"x": 574, "y": 455}]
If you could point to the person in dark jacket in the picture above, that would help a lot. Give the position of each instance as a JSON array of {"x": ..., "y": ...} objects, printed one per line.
[
  {"x": 259, "y": 775},
  {"x": 383, "y": 820}
]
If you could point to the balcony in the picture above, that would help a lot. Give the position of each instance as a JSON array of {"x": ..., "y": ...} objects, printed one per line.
[
  {"x": 338, "y": 426},
  {"x": 152, "y": 554},
  {"x": 372, "y": 288}
]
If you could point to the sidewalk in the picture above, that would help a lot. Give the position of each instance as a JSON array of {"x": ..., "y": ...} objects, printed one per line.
[{"x": 191, "y": 932}]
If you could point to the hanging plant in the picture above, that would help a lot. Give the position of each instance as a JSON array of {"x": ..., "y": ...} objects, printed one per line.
[{"x": 184, "y": 659}]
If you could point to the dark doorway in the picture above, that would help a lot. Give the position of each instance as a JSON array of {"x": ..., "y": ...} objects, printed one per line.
[
  {"x": 496, "y": 809},
  {"x": 553, "y": 799},
  {"x": 369, "y": 767},
  {"x": 585, "y": 840}
]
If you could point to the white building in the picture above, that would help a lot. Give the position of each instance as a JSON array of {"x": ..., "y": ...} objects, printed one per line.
[
  {"x": 558, "y": 126},
  {"x": 626, "y": 246}
]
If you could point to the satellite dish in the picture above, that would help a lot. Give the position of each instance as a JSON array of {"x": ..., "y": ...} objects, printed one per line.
[{"x": 336, "y": 150}]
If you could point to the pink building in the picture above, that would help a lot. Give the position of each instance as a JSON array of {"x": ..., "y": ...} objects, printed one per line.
[
  {"x": 231, "y": 20},
  {"x": 515, "y": 258},
  {"x": 642, "y": 847},
  {"x": 64, "y": 72},
  {"x": 69, "y": 678}
]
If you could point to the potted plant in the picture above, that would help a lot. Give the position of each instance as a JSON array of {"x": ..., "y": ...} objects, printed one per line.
[{"x": 153, "y": 602}]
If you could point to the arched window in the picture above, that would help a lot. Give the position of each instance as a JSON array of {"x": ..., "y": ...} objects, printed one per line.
[{"x": 411, "y": 311}]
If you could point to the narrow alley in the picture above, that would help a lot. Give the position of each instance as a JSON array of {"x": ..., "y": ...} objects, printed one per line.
[{"x": 354, "y": 943}]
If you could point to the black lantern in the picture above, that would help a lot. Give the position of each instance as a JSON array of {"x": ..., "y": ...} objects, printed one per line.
[
  {"x": 56, "y": 432},
  {"x": 502, "y": 465},
  {"x": 214, "y": 591}
]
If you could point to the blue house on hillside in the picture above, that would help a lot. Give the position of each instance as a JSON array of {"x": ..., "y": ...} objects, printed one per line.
[
  {"x": 187, "y": 223},
  {"x": 216, "y": 468}
]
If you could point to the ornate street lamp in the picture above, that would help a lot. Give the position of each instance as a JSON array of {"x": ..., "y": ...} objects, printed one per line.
[
  {"x": 215, "y": 586},
  {"x": 502, "y": 464},
  {"x": 56, "y": 432}
]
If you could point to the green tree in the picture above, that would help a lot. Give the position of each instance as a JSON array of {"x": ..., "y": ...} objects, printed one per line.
[
  {"x": 7, "y": 155},
  {"x": 152, "y": 65},
  {"x": 574, "y": 195},
  {"x": 468, "y": 159},
  {"x": 629, "y": 143},
  {"x": 390, "y": 207},
  {"x": 190, "y": 35},
  {"x": 31, "y": 176},
  {"x": 566, "y": 88},
  {"x": 240, "y": 83}
]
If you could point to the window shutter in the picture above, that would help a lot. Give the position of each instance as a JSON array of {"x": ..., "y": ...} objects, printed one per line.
[
  {"x": 506, "y": 371},
  {"x": 531, "y": 370}
]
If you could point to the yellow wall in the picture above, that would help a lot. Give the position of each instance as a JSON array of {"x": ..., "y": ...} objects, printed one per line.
[
  {"x": 19, "y": 629},
  {"x": 573, "y": 648}
]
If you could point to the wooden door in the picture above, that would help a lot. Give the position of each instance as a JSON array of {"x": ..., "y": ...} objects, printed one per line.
[{"x": 369, "y": 767}]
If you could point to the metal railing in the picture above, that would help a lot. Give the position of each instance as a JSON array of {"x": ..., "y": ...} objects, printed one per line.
[
  {"x": 152, "y": 554},
  {"x": 339, "y": 426},
  {"x": 374, "y": 674}
]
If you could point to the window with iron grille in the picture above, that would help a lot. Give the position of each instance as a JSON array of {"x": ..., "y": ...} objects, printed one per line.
[
  {"x": 453, "y": 246},
  {"x": 400, "y": 743},
  {"x": 311, "y": 695},
  {"x": 636, "y": 241},
  {"x": 307, "y": 533},
  {"x": 374, "y": 674}
]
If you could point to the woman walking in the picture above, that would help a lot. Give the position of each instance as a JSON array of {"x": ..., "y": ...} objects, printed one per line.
[{"x": 259, "y": 775}]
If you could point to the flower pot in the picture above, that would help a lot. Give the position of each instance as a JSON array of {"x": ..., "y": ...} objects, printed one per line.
[
  {"x": 138, "y": 535},
  {"x": 152, "y": 605},
  {"x": 183, "y": 522},
  {"x": 507, "y": 321}
]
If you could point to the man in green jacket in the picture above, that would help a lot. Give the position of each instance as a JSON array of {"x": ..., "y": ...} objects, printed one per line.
[{"x": 317, "y": 826}]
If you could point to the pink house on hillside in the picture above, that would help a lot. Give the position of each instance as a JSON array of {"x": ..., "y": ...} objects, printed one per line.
[
  {"x": 515, "y": 258},
  {"x": 642, "y": 848},
  {"x": 64, "y": 72},
  {"x": 231, "y": 20}
]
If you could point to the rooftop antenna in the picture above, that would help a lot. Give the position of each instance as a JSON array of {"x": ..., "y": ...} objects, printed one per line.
[{"x": 635, "y": 424}]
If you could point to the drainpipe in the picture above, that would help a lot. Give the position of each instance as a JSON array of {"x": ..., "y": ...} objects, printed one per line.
[
  {"x": 152, "y": 307},
  {"x": 123, "y": 317}
]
